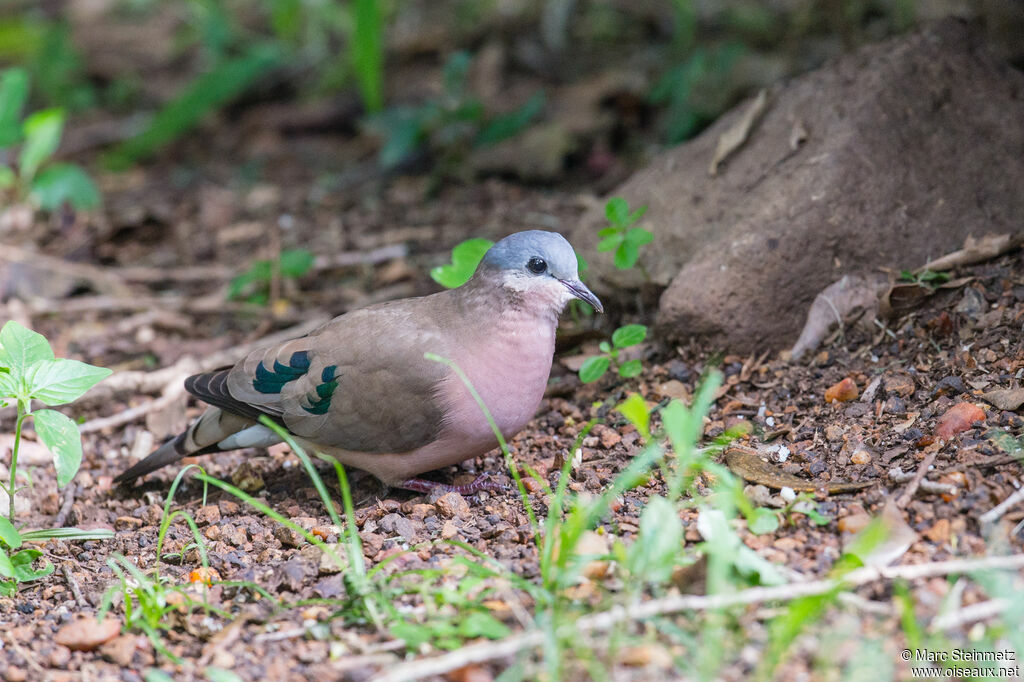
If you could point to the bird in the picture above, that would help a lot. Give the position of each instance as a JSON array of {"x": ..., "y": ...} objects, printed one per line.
[{"x": 360, "y": 389}]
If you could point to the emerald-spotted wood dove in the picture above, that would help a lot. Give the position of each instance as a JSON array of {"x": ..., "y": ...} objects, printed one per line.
[{"x": 360, "y": 389}]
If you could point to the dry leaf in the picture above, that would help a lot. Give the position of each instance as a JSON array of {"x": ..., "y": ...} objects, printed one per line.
[
  {"x": 975, "y": 251},
  {"x": 733, "y": 138},
  {"x": 1005, "y": 398},
  {"x": 958, "y": 419},
  {"x": 842, "y": 392}
]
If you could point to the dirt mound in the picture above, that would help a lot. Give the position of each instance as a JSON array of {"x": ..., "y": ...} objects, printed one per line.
[{"x": 887, "y": 157}]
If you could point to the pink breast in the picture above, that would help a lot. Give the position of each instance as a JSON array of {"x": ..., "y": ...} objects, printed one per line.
[{"x": 509, "y": 371}]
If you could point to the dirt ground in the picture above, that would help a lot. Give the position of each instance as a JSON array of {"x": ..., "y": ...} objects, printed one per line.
[
  {"x": 147, "y": 297},
  {"x": 958, "y": 345}
]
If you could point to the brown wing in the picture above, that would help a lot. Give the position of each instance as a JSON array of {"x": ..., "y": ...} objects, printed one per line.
[{"x": 359, "y": 382}]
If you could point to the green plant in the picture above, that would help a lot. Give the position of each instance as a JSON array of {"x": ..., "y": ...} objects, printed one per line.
[
  {"x": 449, "y": 124},
  {"x": 150, "y": 600},
  {"x": 254, "y": 284},
  {"x": 46, "y": 183},
  {"x": 620, "y": 236},
  {"x": 29, "y": 371},
  {"x": 693, "y": 89},
  {"x": 465, "y": 257},
  {"x": 225, "y": 81},
  {"x": 594, "y": 368},
  {"x": 926, "y": 278}
]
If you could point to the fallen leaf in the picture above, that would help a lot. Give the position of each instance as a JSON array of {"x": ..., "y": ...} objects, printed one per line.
[
  {"x": 842, "y": 392},
  {"x": 733, "y": 138},
  {"x": 751, "y": 467},
  {"x": 958, "y": 419},
  {"x": 840, "y": 303},
  {"x": 1008, "y": 399},
  {"x": 940, "y": 532},
  {"x": 86, "y": 633},
  {"x": 975, "y": 251},
  {"x": 204, "y": 574}
]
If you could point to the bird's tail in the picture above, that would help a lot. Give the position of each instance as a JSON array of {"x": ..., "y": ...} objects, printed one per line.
[{"x": 214, "y": 431}]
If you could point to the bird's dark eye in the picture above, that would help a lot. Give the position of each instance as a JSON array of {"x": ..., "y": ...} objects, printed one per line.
[{"x": 536, "y": 265}]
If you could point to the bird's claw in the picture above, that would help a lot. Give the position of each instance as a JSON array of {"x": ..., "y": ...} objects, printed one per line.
[{"x": 481, "y": 482}]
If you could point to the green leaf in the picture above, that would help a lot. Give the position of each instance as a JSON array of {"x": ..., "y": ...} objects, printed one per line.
[
  {"x": 605, "y": 347},
  {"x": 20, "y": 348},
  {"x": 403, "y": 131},
  {"x": 616, "y": 210},
  {"x": 156, "y": 675},
  {"x": 482, "y": 624},
  {"x": 67, "y": 534},
  {"x": 296, "y": 262},
  {"x": 638, "y": 236},
  {"x": 626, "y": 256},
  {"x": 629, "y": 335},
  {"x": 594, "y": 368},
  {"x": 762, "y": 521},
  {"x": 610, "y": 243},
  {"x": 206, "y": 93},
  {"x": 7, "y": 177},
  {"x": 9, "y": 535},
  {"x": 635, "y": 410},
  {"x": 13, "y": 94},
  {"x": 60, "y": 182},
  {"x": 6, "y": 567},
  {"x": 631, "y": 368},
  {"x": 511, "y": 124},
  {"x": 659, "y": 541},
  {"x": 413, "y": 635},
  {"x": 61, "y": 436},
  {"x": 59, "y": 381},
  {"x": 465, "y": 257},
  {"x": 368, "y": 53},
  {"x": 22, "y": 563},
  {"x": 215, "y": 674},
  {"x": 9, "y": 386},
  {"x": 42, "y": 135}
]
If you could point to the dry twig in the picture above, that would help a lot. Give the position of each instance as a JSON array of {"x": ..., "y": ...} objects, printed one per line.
[
  {"x": 420, "y": 668},
  {"x": 915, "y": 482}
]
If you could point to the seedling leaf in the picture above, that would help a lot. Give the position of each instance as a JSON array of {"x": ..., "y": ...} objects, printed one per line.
[
  {"x": 594, "y": 368},
  {"x": 60, "y": 182},
  {"x": 763, "y": 521},
  {"x": 59, "y": 381},
  {"x": 635, "y": 410},
  {"x": 630, "y": 335},
  {"x": 9, "y": 534},
  {"x": 61, "y": 436},
  {"x": 631, "y": 368},
  {"x": 616, "y": 210},
  {"x": 42, "y": 135},
  {"x": 22, "y": 564},
  {"x": 21, "y": 347},
  {"x": 6, "y": 569},
  {"x": 465, "y": 257}
]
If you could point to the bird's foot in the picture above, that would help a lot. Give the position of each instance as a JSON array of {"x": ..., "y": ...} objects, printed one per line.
[{"x": 482, "y": 482}]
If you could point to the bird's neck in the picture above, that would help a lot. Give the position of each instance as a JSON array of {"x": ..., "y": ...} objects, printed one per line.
[{"x": 539, "y": 306}]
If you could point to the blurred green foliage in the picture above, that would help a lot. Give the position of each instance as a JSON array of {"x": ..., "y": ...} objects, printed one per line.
[
  {"x": 31, "y": 175},
  {"x": 449, "y": 124}
]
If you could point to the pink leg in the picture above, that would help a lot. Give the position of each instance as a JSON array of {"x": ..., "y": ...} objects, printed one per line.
[{"x": 482, "y": 482}]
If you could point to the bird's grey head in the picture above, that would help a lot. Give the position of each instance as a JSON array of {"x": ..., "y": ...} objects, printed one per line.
[{"x": 541, "y": 263}]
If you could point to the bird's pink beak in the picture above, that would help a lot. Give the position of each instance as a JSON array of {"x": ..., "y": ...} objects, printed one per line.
[{"x": 580, "y": 291}]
